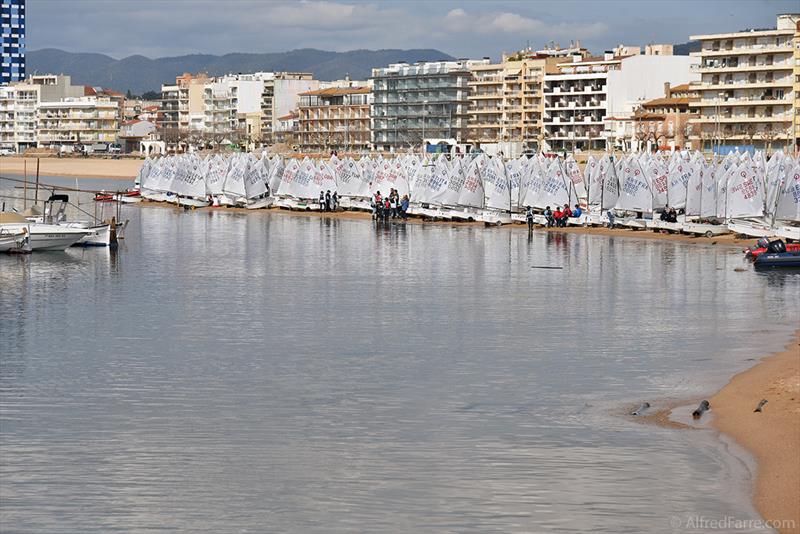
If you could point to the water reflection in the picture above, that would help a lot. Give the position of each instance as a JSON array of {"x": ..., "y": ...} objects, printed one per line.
[{"x": 227, "y": 372}]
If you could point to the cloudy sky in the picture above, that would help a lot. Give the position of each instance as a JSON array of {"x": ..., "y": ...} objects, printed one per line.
[{"x": 467, "y": 28}]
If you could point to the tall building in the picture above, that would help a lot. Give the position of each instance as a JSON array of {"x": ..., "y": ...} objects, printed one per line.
[
  {"x": 12, "y": 41},
  {"x": 746, "y": 87},
  {"x": 426, "y": 100},
  {"x": 588, "y": 94},
  {"x": 796, "y": 88},
  {"x": 336, "y": 118},
  {"x": 505, "y": 104},
  {"x": 280, "y": 96}
]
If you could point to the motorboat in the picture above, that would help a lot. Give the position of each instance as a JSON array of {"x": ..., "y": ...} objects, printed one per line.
[
  {"x": 42, "y": 236},
  {"x": 11, "y": 240},
  {"x": 97, "y": 235},
  {"x": 778, "y": 260}
]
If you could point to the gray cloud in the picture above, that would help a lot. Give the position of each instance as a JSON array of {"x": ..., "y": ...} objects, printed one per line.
[{"x": 156, "y": 28}]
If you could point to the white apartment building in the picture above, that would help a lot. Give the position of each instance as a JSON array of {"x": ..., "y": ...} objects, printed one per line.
[
  {"x": 74, "y": 121},
  {"x": 746, "y": 87},
  {"x": 587, "y": 92},
  {"x": 19, "y": 108}
]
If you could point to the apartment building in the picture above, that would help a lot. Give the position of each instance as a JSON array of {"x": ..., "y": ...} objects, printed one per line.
[
  {"x": 19, "y": 108},
  {"x": 587, "y": 94},
  {"x": 75, "y": 121},
  {"x": 12, "y": 41},
  {"x": 183, "y": 100},
  {"x": 335, "y": 119},
  {"x": 505, "y": 104},
  {"x": 796, "y": 88},
  {"x": 747, "y": 87},
  {"x": 279, "y": 97},
  {"x": 425, "y": 101}
]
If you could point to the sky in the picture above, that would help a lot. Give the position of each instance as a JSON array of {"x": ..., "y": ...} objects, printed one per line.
[{"x": 467, "y": 28}]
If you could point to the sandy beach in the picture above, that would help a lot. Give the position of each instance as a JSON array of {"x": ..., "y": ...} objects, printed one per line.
[
  {"x": 114, "y": 169},
  {"x": 773, "y": 435}
]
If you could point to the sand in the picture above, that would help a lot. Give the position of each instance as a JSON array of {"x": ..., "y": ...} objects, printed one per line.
[
  {"x": 772, "y": 436},
  {"x": 107, "y": 168}
]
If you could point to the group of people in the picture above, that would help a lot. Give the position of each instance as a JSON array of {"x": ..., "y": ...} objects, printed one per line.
[
  {"x": 328, "y": 201},
  {"x": 560, "y": 216},
  {"x": 669, "y": 215},
  {"x": 389, "y": 206}
]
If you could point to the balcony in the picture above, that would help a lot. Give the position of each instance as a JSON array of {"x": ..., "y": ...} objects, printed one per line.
[{"x": 778, "y": 65}]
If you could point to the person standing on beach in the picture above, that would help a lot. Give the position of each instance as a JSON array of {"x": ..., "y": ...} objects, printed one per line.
[
  {"x": 529, "y": 218},
  {"x": 548, "y": 215},
  {"x": 322, "y": 201},
  {"x": 328, "y": 200},
  {"x": 377, "y": 205},
  {"x": 611, "y": 217},
  {"x": 393, "y": 204},
  {"x": 404, "y": 207},
  {"x": 335, "y": 200}
]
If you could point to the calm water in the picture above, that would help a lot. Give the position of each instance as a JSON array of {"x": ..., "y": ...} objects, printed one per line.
[{"x": 227, "y": 372}]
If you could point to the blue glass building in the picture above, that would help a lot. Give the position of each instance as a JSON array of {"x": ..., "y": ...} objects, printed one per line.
[{"x": 12, "y": 41}]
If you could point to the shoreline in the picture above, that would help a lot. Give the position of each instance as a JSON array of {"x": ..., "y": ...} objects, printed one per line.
[
  {"x": 772, "y": 436},
  {"x": 107, "y": 169},
  {"x": 727, "y": 240}
]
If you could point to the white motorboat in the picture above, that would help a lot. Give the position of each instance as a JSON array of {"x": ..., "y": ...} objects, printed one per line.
[
  {"x": 13, "y": 240},
  {"x": 42, "y": 236}
]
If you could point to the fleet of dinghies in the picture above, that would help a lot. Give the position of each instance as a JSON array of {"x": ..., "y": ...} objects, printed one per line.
[{"x": 741, "y": 192}]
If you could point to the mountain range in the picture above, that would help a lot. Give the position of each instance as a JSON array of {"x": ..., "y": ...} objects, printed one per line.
[{"x": 140, "y": 74}]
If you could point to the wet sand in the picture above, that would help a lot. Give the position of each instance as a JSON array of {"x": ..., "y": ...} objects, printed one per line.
[
  {"x": 110, "y": 169},
  {"x": 773, "y": 435}
]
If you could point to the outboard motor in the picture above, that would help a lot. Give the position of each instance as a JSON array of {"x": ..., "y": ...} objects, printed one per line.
[{"x": 776, "y": 247}]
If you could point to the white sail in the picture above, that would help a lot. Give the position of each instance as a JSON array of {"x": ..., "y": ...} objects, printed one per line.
[
  {"x": 472, "y": 194},
  {"x": 254, "y": 179},
  {"x": 298, "y": 180},
  {"x": 349, "y": 178},
  {"x": 438, "y": 180},
  {"x": 596, "y": 170},
  {"x": 576, "y": 177},
  {"x": 634, "y": 194},
  {"x": 233, "y": 187},
  {"x": 788, "y": 205},
  {"x": 657, "y": 177},
  {"x": 496, "y": 185},
  {"x": 514, "y": 169},
  {"x": 325, "y": 178},
  {"x": 555, "y": 186},
  {"x": 724, "y": 177},
  {"x": 745, "y": 195},
  {"x": 276, "y": 169},
  {"x": 694, "y": 190},
  {"x": 215, "y": 176},
  {"x": 678, "y": 184}
]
